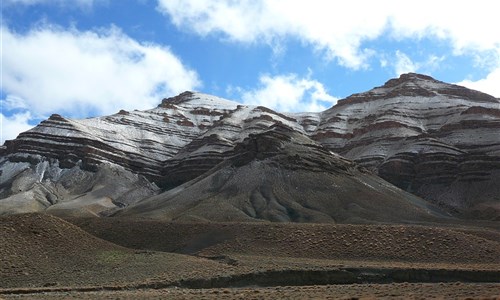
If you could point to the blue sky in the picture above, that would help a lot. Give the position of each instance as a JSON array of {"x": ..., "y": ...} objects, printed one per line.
[{"x": 84, "y": 58}]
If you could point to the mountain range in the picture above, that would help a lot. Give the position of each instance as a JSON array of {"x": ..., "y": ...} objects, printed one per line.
[{"x": 412, "y": 150}]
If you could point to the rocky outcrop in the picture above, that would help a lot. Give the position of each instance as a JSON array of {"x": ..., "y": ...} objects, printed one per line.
[{"x": 46, "y": 186}]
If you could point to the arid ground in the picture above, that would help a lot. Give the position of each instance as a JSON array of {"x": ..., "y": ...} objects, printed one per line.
[{"x": 46, "y": 257}]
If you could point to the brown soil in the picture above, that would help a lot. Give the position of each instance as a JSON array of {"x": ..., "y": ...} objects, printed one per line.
[
  {"x": 348, "y": 291},
  {"x": 46, "y": 257},
  {"x": 377, "y": 243}
]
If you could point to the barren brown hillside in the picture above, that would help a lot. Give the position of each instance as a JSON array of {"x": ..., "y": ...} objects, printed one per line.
[
  {"x": 46, "y": 257},
  {"x": 401, "y": 243},
  {"x": 44, "y": 251}
]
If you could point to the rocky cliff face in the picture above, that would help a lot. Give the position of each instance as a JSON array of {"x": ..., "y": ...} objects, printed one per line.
[{"x": 435, "y": 140}]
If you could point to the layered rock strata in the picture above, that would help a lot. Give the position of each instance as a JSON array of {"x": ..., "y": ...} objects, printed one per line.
[{"x": 436, "y": 140}]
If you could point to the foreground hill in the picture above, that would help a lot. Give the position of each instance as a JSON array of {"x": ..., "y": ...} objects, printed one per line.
[
  {"x": 435, "y": 140},
  {"x": 40, "y": 251}
]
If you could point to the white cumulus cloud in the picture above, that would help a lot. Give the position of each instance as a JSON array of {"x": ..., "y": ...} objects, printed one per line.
[
  {"x": 323, "y": 24},
  {"x": 288, "y": 93},
  {"x": 490, "y": 84},
  {"x": 11, "y": 126},
  {"x": 338, "y": 29},
  {"x": 80, "y": 73}
]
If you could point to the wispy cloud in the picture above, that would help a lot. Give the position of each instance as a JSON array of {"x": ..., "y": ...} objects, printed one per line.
[{"x": 404, "y": 64}]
